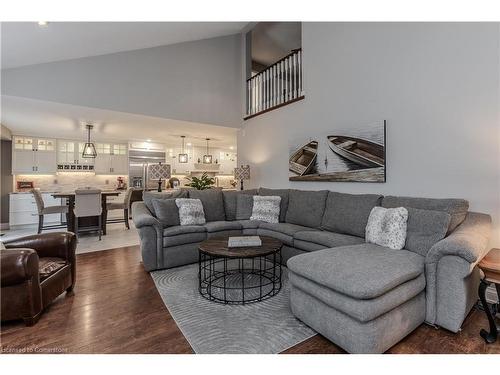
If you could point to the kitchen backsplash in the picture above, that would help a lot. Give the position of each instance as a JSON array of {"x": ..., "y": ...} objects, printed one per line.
[{"x": 71, "y": 181}]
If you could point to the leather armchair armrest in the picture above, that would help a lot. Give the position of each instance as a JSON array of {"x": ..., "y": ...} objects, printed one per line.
[
  {"x": 17, "y": 266},
  {"x": 58, "y": 244}
]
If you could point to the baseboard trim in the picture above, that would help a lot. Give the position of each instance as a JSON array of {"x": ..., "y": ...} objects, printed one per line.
[{"x": 4, "y": 226}]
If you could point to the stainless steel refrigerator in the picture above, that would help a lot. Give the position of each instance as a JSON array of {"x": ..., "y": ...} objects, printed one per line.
[{"x": 138, "y": 168}]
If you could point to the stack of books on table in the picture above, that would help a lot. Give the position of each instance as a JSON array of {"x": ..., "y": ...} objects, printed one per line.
[{"x": 244, "y": 241}]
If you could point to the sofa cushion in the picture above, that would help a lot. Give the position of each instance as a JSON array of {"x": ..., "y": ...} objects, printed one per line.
[
  {"x": 286, "y": 228},
  {"x": 363, "y": 310},
  {"x": 425, "y": 228},
  {"x": 327, "y": 239},
  {"x": 360, "y": 271},
  {"x": 148, "y": 197},
  {"x": 306, "y": 207},
  {"x": 244, "y": 206},
  {"x": 249, "y": 224},
  {"x": 166, "y": 211},
  {"x": 283, "y": 193},
  {"x": 49, "y": 265},
  {"x": 218, "y": 226},
  {"x": 230, "y": 197},
  {"x": 191, "y": 211},
  {"x": 457, "y": 208},
  {"x": 183, "y": 229},
  {"x": 285, "y": 238},
  {"x": 348, "y": 213},
  {"x": 212, "y": 201}
]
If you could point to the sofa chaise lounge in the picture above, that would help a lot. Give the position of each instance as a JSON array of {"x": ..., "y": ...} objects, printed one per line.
[{"x": 363, "y": 297}]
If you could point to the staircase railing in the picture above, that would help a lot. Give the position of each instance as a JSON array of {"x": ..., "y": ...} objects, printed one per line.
[{"x": 277, "y": 85}]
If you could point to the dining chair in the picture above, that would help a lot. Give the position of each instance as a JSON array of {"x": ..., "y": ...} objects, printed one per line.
[
  {"x": 42, "y": 211},
  {"x": 88, "y": 203},
  {"x": 125, "y": 206}
]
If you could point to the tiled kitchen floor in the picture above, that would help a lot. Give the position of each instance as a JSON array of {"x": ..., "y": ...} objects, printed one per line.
[{"x": 117, "y": 236}]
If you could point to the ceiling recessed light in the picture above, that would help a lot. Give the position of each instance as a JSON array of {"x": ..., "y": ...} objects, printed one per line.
[
  {"x": 231, "y": 147},
  {"x": 148, "y": 140},
  {"x": 189, "y": 144},
  {"x": 43, "y": 23}
]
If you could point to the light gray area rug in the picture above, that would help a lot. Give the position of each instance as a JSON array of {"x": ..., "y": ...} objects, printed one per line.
[{"x": 265, "y": 327}]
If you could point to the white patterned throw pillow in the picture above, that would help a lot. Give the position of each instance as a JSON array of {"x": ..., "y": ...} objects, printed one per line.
[
  {"x": 190, "y": 211},
  {"x": 266, "y": 208},
  {"x": 387, "y": 227}
]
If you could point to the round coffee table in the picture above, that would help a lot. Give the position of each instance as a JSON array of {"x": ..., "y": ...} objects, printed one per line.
[{"x": 239, "y": 275}]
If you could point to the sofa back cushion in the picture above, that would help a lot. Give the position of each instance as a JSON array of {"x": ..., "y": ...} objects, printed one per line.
[
  {"x": 229, "y": 198},
  {"x": 167, "y": 212},
  {"x": 283, "y": 193},
  {"x": 457, "y": 208},
  {"x": 306, "y": 207},
  {"x": 148, "y": 197},
  {"x": 348, "y": 213},
  {"x": 212, "y": 201},
  {"x": 244, "y": 206},
  {"x": 425, "y": 228}
]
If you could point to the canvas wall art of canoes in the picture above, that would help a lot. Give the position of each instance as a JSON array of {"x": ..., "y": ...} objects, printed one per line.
[{"x": 350, "y": 154}]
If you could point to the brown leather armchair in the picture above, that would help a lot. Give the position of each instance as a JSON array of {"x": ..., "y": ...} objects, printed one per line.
[{"x": 34, "y": 271}]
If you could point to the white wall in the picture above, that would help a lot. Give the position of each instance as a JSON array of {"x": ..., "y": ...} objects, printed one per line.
[
  {"x": 195, "y": 81},
  {"x": 437, "y": 85}
]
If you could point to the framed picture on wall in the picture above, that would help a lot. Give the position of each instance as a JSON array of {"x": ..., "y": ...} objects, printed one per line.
[{"x": 352, "y": 155}]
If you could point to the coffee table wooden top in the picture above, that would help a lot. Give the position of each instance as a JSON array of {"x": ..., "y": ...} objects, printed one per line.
[
  {"x": 218, "y": 247},
  {"x": 490, "y": 265}
]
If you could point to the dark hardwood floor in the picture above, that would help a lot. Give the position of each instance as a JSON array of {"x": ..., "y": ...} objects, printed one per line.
[{"x": 115, "y": 308}]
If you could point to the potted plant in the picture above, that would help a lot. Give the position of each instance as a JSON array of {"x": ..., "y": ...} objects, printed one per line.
[{"x": 202, "y": 183}]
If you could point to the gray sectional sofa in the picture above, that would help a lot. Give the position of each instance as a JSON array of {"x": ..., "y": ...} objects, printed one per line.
[{"x": 363, "y": 297}]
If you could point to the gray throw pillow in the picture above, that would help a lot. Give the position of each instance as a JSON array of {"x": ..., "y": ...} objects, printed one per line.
[
  {"x": 425, "y": 228},
  {"x": 213, "y": 203},
  {"x": 348, "y": 213},
  {"x": 283, "y": 193},
  {"x": 457, "y": 208},
  {"x": 244, "y": 206},
  {"x": 167, "y": 212},
  {"x": 266, "y": 209},
  {"x": 387, "y": 227},
  {"x": 190, "y": 211},
  {"x": 306, "y": 207},
  {"x": 230, "y": 201},
  {"x": 148, "y": 197}
]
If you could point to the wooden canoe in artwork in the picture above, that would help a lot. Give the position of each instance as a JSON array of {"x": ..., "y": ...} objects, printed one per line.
[
  {"x": 360, "y": 151},
  {"x": 303, "y": 160}
]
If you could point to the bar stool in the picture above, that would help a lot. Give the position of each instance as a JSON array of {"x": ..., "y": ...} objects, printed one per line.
[
  {"x": 125, "y": 205},
  {"x": 88, "y": 203},
  {"x": 42, "y": 211}
]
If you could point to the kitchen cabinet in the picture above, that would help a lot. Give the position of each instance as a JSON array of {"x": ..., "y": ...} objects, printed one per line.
[
  {"x": 33, "y": 155},
  {"x": 23, "y": 209},
  {"x": 111, "y": 159},
  {"x": 69, "y": 156}
]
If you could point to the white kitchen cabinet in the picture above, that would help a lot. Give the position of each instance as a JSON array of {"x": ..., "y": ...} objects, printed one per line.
[
  {"x": 69, "y": 156},
  {"x": 111, "y": 159},
  {"x": 23, "y": 209},
  {"x": 33, "y": 155}
]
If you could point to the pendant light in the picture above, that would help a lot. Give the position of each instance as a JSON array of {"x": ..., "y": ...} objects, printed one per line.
[
  {"x": 183, "y": 157},
  {"x": 207, "y": 159},
  {"x": 89, "y": 148}
]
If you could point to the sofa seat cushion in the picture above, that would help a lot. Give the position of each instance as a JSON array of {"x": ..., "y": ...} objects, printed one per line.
[
  {"x": 285, "y": 228},
  {"x": 249, "y": 224},
  {"x": 50, "y": 265},
  {"x": 362, "y": 271},
  {"x": 363, "y": 310},
  {"x": 219, "y": 226},
  {"x": 327, "y": 239},
  {"x": 183, "y": 229}
]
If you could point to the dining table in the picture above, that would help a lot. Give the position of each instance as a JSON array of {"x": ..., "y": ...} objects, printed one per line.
[{"x": 85, "y": 222}]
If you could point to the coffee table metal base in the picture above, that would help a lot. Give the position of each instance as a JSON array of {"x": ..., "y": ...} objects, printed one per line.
[{"x": 239, "y": 281}]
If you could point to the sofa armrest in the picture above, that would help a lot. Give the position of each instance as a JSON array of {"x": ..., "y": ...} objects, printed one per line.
[
  {"x": 17, "y": 266},
  {"x": 468, "y": 241},
  {"x": 142, "y": 217},
  {"x": 58, "y": 244}
]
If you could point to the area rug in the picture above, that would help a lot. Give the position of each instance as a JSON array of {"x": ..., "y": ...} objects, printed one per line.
[{"x": 265, "y": 327}]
